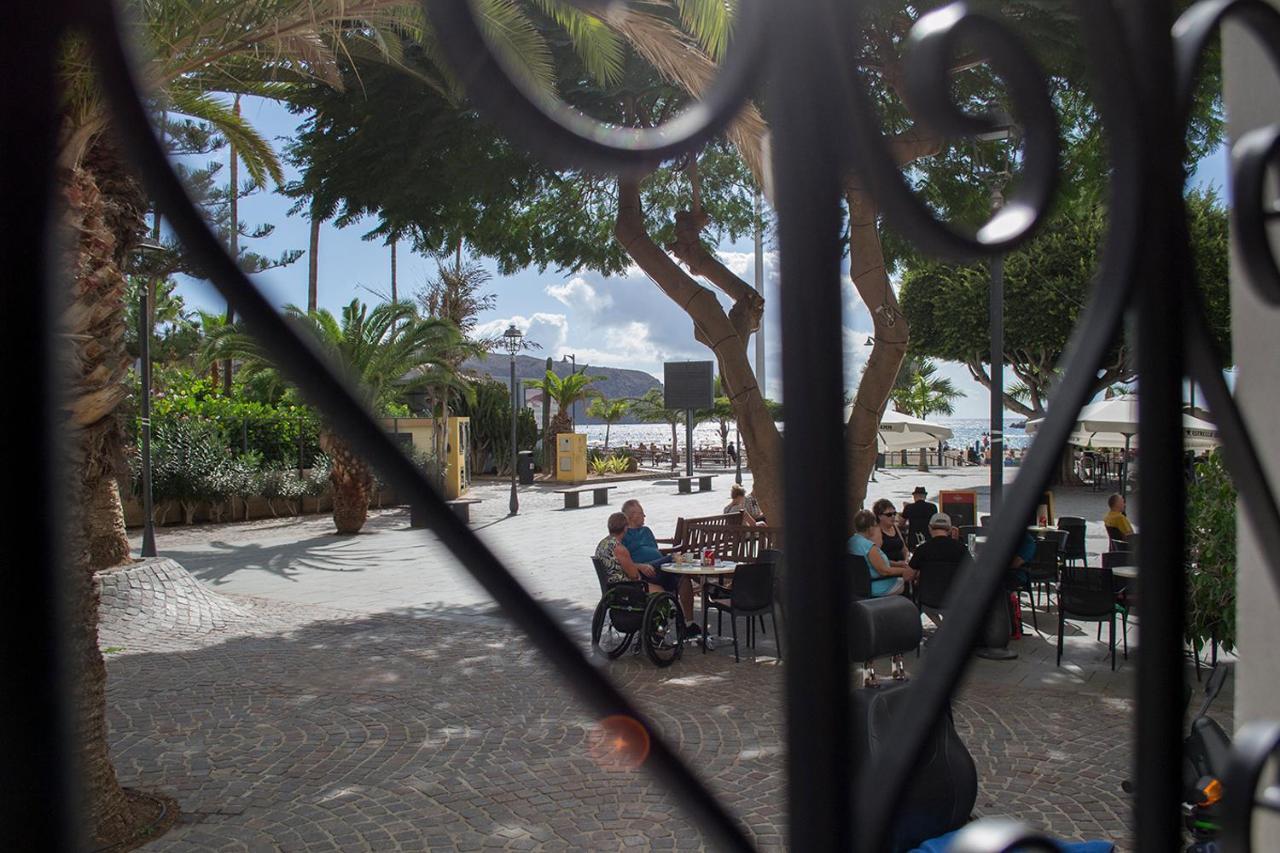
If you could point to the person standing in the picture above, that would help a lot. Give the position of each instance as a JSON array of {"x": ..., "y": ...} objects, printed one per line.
[{"x": 917, "y": 513}]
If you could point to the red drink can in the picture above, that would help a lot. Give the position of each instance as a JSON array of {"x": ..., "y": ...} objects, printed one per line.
[{"x": 709, "y": 557}]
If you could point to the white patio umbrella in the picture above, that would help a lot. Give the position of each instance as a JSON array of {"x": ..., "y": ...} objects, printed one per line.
[
  {"x": 1114, "y": 424},
  {"x": 903, "y": 432}
]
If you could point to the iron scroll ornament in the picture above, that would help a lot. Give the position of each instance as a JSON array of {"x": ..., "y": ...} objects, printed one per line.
[
  {"x": 601, "y": 147},
  {"x": 308, "y": 369}
]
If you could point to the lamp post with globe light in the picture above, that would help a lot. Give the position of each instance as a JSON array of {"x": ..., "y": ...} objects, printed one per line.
[{"x": 512, "y": 340}]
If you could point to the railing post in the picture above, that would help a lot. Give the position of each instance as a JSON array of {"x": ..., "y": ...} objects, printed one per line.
[
  {"x": 37, "y": 769},
  {"x": 806, "y": 168},
  {"x": 1163, "y": 261}
]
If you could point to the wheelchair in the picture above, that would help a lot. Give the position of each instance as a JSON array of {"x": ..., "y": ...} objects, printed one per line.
[{"x": 628, "y": 609}]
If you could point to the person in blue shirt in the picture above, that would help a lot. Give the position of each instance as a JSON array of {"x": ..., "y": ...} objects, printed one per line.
[
  {"x": 641, "y": 546},
  {"x": 886, "y": 579}
]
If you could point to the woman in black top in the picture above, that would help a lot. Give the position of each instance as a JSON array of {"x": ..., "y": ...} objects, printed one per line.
[{"x": 894, "y": 544}]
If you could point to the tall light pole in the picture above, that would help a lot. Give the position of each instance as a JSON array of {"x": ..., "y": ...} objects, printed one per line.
[
  {"x": 511, "y": 341},
  {"x": 1003, "y": 130},
  {"x": 144, "y": 358}
]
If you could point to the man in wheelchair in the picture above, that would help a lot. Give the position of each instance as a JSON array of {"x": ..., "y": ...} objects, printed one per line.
[{"x": 635, "y": 601}]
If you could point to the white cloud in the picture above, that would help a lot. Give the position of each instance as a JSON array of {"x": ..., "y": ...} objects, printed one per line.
[
  {"x": 549, "y": 330},
  {"x": 579, "y": 293}
]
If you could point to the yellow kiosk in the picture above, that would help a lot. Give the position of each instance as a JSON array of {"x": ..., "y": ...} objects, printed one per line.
[
  {"x": 455, "y": 454},
  {"x": 571, "y": 457}
]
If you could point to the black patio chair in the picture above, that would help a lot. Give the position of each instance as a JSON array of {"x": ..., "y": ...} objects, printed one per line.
[
  {"x": 1074, "y": 548},
  {"x": 934, "y": 586},
  {"x": 1119, "y": 542},
  {"x": 859, "y": 569},
  {"x": 1125, "y": 598},
  {"x": 751, "y": 595},
  {"x": 1087, "y": 593},
  {"x": 1042, "y": 570}
]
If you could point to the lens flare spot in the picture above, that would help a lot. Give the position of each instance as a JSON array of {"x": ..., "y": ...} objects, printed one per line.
[{"x": 618, "y": 743}]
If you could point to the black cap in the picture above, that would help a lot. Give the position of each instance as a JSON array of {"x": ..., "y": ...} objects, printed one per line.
[{"x": 920, "y": 490}]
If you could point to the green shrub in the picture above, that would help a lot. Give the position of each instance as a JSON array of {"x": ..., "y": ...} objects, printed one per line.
[
  {"x": 1211, "y": 555},
  {"x": 187, "y": 457}
]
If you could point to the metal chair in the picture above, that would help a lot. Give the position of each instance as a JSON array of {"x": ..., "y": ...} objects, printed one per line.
[
  {"x": 1087, "y": 593},
  {"x": 1043, "y": 570},
  {"x": 751, "y": 595},
  {"x": 1074, "y": 549}
]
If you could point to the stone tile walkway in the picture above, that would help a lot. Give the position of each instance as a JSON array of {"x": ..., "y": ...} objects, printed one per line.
[
  {"x": 304, "y": 728},
  {"x": 310, "y": 692}
]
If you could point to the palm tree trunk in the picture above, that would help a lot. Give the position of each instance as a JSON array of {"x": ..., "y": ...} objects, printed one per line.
[
  {"x": 725, "y": 333},
  {"x": 395, "y": 297},
  {"x": 871, "y": 278},
  {"x": 94, "y": 323},
  {"x": 313, "y": 265},
  {"x": 352, "y": 483},
  {"x": 234, "y": 239},
  {"x": 607, "y": 426}
]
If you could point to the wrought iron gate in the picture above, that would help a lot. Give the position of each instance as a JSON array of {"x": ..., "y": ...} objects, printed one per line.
[{"x": 823, "y": 125}]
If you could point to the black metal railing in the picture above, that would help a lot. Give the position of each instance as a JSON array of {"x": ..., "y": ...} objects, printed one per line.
[{"x": 817, "y": 138}]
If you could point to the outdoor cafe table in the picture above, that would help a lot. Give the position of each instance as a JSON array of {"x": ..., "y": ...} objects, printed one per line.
[
  {"x": 720, "y": 569},
  {"x": 1126, "y": 572},
  {"x": 1040, "y": 531}
]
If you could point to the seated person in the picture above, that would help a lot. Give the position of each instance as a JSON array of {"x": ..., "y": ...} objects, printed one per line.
[
  {"x": 886, "y": 579},
  {"x": 619, "y": 567},
  {"x": 940, "y": 548},
  {"x": 892, "y": 541},
  {"x": 1115, "y": 520},
  {"x": 1018, "y": 577},
  {"x": 738, "y": 503},
  {"x": 641, "y": 546}
]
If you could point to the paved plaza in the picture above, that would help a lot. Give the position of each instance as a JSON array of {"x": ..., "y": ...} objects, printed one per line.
[{"x": 312, "y": 692}]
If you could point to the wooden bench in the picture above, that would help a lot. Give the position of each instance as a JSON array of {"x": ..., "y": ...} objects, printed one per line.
[
  {"x": 461, "y": 507},
  {"x": 572, "y": 496},
  {"x": 685, "y": 484}
]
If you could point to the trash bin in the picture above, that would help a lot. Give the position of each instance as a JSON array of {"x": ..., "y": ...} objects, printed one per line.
[
  {"x": 524, "y": 467},
  {"x": 879, "y": 461}
]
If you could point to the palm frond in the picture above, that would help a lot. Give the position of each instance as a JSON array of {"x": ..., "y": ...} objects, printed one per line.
[
  {"x": 601, "y": 50},
  {"x": 256, "y": 153},
  {"x": 708, "y": 21},
  {"x": 517, "y": 41}
]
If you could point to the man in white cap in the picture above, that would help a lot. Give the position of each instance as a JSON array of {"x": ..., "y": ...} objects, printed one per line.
[{"x": 941, "y": 552}]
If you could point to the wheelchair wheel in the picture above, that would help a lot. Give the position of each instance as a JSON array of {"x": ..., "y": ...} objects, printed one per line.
[
  {"x": 662, "y": 630},
  {"x": 606, "y": 636}
]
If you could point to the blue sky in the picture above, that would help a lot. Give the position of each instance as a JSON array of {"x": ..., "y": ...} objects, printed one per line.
[{"x": 622, "y": 321}]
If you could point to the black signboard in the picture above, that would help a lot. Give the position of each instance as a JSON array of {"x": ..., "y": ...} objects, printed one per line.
[{"x": 688, "y": 384}]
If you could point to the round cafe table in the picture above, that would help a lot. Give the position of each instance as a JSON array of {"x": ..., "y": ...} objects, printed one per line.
[
  {"x": 1040, "y": 531},
  {"x": 720, "y": 569},
  {"x": 1126, "y": 572}
]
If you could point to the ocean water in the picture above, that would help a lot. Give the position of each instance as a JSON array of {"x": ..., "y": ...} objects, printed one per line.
[{"x": 966, "y": 430}]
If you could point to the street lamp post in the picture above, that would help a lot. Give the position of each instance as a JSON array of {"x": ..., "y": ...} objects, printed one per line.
[
  {"x": 144, "y": 358},
  {"x": 1003, "y": 130},
  {"x": 511, "y": 341}
]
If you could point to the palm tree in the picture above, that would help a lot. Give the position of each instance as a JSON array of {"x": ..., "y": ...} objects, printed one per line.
[
  {"x": 564, "y": 391},
  {"x": 609, "y": 411},
  {"x": 919, "y": 392},
  {"x": 652, "y": 408},
  {"x": 192, "y": 53},
  {"x": 386, "y": 352}
]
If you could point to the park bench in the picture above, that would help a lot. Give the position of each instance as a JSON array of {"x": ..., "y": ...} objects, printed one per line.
[
  {"x": 572, "y": 496},
  {"x": 679, "y": 539},
  {"x": 685, "y": 484},
  {"x": 461, "y": 507}
]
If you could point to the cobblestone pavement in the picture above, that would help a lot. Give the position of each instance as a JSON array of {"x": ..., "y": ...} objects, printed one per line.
[{"x": 302, "y": 728}]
